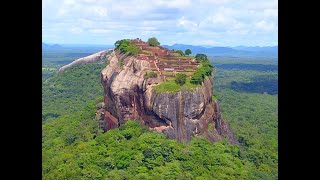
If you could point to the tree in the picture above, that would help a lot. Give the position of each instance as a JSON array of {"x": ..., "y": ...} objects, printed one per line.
[
  {"x": 188, "y": 52},
  {"x": 125, "y": 46},
  {"x": 205, "y": 69},
  {"x": 153, "y": 41},
  {"x": 181, "y": 79},
  {"x": 118, "y": 43},
  {"x": 180, "y": 52},
  {"x": 201, "y": 57},
  {"x": 132, "y": 50},
  {"x": 196, "y": 78}
]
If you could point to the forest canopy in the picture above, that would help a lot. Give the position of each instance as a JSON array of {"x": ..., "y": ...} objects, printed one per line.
[{"x": 74, "y": 148}]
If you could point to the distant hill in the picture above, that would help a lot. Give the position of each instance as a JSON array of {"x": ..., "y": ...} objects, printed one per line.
[
  {"x": 75, "y": 47},
  {"x": 242, "y": 51},
  {"x": 238, "y": 51},
  {"x": 44, "y": 45},
  {"x": 257, "y": 48},
  {"x": 54, "y": 46},
  {"x": 199, "y": 49}
]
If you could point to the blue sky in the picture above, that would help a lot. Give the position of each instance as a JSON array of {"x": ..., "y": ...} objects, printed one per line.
[{"x": 195, "y": 22}]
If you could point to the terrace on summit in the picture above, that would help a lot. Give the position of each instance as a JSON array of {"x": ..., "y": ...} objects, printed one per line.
[{"x": 166, "y": 62}]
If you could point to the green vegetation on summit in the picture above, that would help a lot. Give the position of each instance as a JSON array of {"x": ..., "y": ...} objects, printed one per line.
[
  {"x": 125, "y": 46},
  {"x": 153, "y": 42},
  {"x": 181, "y": 79}
]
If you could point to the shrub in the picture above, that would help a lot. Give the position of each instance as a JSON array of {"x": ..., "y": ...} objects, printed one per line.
[
  {"x": 150, "y": 75},
  {"x": 126, "y": 47},
  {"x": 214, "y": 98},
  {"x": 181, "y": 79},
  {"x": 180, "y": 52},
  {"x": 153, "y": 41},
  {"x": 205, "y": 69},
  {"x": 201, "y": 57},
  {"x": 188, "y": 52},
  {"x": 99, "y": 99}
]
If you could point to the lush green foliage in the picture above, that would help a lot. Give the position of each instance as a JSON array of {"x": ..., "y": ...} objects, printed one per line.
[
  {"x": 172, "y": 86},
  {"x": 150, "y": 74},
  {"x": 180, "y": 79},
  {"x": 153, "y": 41},
  {"x": 253, "y": 116},
  {"x": 79, "y": 151},
  {"x": 74, "y": 148},
  {"x": 242, "y": 66},
  {"x": 188, "y": 52},
  {"x": 68, "y": 92},
  {"x": 180, "y": 52},
  {"x": 46, "y": 74},
  {"x": 125, "y": 46},
  {"x": 201, "y": 57},
  {"x": 214, "y": 98},
  {"x": 204, "y": 69}
]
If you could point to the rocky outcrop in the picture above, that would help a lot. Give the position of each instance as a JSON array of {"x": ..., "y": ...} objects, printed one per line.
[
  {"x": 88, "y": 59},
  {"x": 180, "y": 115}
]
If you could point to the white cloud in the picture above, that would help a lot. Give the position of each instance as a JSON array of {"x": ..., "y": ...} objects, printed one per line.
[
  {"x": 181, "y": 21},
  {"x": 76, "y": 30},
  {"x": 216, "y": 2},
  {"x": 271, "y": 12},
  {"x": 99, "y": 31},
  {"x": 265, "y": 26},
  {"x": 262, "y": 5},
  {"x": 99, "y": 11},
  {"x": 180, "y": 4}
]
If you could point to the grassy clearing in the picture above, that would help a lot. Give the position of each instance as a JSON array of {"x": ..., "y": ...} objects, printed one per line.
[
  {"x": 188, "y": 73},
  {"x": 185, "y": 57},
  {"x": 167, "y": 73},
  {"x": 175, "y": 54},
  {"x": 171, "y": 86},
  {"x": 189, "y": 70}
]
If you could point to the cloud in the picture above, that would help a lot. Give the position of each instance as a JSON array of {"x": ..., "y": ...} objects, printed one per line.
[
  {"x": 179, "y": 4},
  {"x": 99, "y": 31},
  {"x": 224, "y": 22},
  {"x": 265, "y": 26},
  {"x": 271, "y": 12},
  {"x": 76, "y": 30},
  {"x": 183, "y": 22}
]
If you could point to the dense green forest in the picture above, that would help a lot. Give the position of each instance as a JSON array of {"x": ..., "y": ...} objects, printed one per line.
[
  {"x": 68, "y": 92},
  {"x": 74, "y": 148}
]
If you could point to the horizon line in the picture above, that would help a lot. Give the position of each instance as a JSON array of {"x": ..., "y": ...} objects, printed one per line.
[{"x": 82, "y": 44}]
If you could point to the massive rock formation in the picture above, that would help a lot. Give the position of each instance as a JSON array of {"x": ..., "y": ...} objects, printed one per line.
[{"x": 180, "y": 115}]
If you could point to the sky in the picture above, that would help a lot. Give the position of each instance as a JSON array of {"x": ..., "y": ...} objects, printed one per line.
[{"x": 193, "y": 22}]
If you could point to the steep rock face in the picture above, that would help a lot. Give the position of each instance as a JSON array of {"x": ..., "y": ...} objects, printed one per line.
[{"x": 180, "y": 115}]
